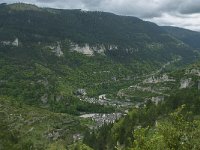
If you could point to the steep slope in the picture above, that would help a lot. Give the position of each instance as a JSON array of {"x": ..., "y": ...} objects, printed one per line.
[
  {"x": 189, "y": 37},
  {"x": 122, "y": 38}
]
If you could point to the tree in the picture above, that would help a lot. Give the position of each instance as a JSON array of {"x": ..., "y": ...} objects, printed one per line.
[{"x": 178, "y": 132}]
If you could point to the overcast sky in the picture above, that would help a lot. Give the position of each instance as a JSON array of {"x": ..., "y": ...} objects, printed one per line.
[{"x": 181, "y": 13}]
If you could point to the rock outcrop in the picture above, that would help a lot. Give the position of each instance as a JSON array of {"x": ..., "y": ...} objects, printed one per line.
[
  {"x": 57, "y": 50},
  {"x": 185, "y": 83},
  {"x": 81, "y": 92},
  {"x": 154, "y": 79},
  {"x": 193, "y": 72},
  {"x": 10, "y": 43},
  {"x": 158, "y": 99},
  {"x": 44, "y": 99},
  {"x": 88, "y": 50}
]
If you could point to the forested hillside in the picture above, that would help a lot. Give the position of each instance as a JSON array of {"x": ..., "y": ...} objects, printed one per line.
[
  {"x": 169, "y": 124},
  {"x": 191, "y": 38},
  {"x": 67, "y": 72}
]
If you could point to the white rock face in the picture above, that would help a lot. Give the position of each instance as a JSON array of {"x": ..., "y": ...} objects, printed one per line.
[
  {"x": 58, "y": 51},
  {"x": 86, "y": 50},
  {"x": 44, "y": 98},
  {"x": 15, "y": 42},
  {"x": 81, "y": 92},
  {"x": 112, "y": 47},
  {"x": 6, "y": 42},
  {"x": 185, "y": 83},
  {"x": 158, "y": 99},
  {"x": 193, "y": 72},
  {"x": 9, "y": 43},
  {"x": 153, "y": 79},
  {"x": 102, "y": 97},
  {"x": 99, "y": 49}
]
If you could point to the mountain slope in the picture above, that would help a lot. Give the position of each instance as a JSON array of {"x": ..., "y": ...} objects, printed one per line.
[
  {"x": 61, "y": 61},
  {"x": 189, "y": 37},
  {"x": 123, "y": 37},
  {"x": 39, "y": 48}
]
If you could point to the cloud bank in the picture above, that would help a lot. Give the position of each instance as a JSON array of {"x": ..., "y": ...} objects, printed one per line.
[{"x": 181, "y": 13}]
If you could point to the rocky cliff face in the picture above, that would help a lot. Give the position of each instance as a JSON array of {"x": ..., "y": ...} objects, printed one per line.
[
  {"x": 185, "y": 83},
  {"x": 88, "y": 50},
  {"x": 11, "y": 43},
  {"x": 58, "y": 50}
]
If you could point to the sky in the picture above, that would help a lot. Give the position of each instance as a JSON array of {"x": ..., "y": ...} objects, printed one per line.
[{"x": 180, "y": 13}]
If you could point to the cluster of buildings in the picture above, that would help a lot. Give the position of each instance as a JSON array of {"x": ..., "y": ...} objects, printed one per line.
[{"x": 102, "y": 119}]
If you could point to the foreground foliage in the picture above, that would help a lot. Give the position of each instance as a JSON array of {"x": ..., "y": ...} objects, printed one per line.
[
  {"x": 168, "y": 125},
  {"x": 180, "y": 131}
]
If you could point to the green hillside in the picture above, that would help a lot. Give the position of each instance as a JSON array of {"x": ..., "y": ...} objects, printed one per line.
[
  {"x": 58, "y": 65},
  {"x": 24, "y": 127},
  {"x": 189, "y": 37},
  {"x": 172, "y": 123},
  {"x": 126, "y": 38},
  {"x": 131, "y": 47}
]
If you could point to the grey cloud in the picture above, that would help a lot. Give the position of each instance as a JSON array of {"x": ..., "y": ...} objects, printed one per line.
[
  {"x": 190, "y": 7},
  {"x": 140, "y": 8},
  {"x": 191, "y": 21}
]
